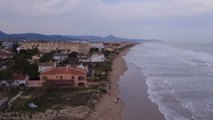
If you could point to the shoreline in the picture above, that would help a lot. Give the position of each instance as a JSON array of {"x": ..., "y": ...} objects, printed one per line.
[
  {"x": 107, "y": 108},
  {"x": 138, "y": 105}
]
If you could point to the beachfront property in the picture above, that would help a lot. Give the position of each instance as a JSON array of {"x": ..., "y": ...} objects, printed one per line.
[
  {"x": 46, "y": 47},
  {"x": 64, "y": 76},
  {"x": 112, "y": 46},
  {"x": 92, "y": 58}
]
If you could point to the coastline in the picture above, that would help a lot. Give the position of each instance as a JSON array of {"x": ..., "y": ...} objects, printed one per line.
[
  {"x": 134, "y": 93},
  {"x": 107, "y": 108}
]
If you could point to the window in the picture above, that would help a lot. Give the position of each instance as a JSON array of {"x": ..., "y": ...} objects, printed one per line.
[
  {"x": 61, "y": 77},
  {"x": 44, "y": 78},
  {"x": 81, "y": 78},
  {"x": 73, "y": 77}
]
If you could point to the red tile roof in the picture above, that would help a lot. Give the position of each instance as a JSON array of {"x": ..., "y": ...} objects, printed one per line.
[
  {"x": 19, "y": 76},
  {"x": 5, "y": 54},
  {"x": 64, "y": 70}
]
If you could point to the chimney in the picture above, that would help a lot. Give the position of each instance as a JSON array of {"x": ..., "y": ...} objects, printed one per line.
[
  {"x": 55, "y": 64},
  {"x": 67, "y": 67}
]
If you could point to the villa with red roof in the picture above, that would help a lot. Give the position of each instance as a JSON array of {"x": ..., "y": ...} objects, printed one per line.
[{"x": 64, "y": 76}]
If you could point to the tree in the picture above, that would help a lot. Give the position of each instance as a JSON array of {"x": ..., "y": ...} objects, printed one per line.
[
  {"x": 33, "y": 70},
  {"x": 27, "y": 54},
  {"x": 73, "y": 55},
  {"x": 5, "y": 75},
  {"x": 14, "y": 47},
  {"x": 46, "y": 57},
  {"x": 19, "y": 65},
  {"x": 93, "y": 50}
]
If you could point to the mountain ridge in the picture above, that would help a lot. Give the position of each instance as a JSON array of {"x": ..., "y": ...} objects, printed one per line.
[{"x": 92, "y": 38}]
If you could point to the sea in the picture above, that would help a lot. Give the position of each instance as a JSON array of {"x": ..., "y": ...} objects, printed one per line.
[{"x": 179, "y": 78}]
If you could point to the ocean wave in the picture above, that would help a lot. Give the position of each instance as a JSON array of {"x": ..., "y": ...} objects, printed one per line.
[{"x": 178, "y": 80}]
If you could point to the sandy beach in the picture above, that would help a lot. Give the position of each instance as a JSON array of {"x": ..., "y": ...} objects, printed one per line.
[{"x": 107, "y": 108}]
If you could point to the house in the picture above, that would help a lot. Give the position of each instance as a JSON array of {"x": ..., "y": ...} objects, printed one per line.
[
  {"x": 36, "y": 58},
  {"x": 89, "y": 70},
  {"x": 3, "y": 104},
  {"x": 45, "y": 65},
  {"x": 100, "y": 46},
  {"x": 83, "y": 58},
  {"x": 98, "y": 58},
  {"x": 64, "y": 76},
  {"x": 20, "y": 79},
  {"x": 5, "y": 55},
  {"x": 46, "y": 47},
  {"x": 60, "y": 57},
  {"x": 7, "y": 45}
]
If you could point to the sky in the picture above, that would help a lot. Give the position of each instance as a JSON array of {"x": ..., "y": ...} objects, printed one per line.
[{"x": 170, "y": 20}]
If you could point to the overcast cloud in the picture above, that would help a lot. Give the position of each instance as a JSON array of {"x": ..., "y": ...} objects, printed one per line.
[{"x": 162, "y": 19}]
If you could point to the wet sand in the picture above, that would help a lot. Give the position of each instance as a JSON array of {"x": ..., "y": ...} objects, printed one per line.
[{"x": 134, "y": 94}]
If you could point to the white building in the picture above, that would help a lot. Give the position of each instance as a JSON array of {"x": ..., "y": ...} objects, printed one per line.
[
  {"x": 98, "y": 58},
  {"x": 60, "y": 57},
  {"x": 100, "y": 46}
]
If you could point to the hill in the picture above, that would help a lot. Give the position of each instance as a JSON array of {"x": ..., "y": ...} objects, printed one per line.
[{"x": 36, "y": 36}]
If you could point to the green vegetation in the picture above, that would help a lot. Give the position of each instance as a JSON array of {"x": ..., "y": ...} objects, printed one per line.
[
  {"x": 56, "y": 98},
  {"x": 19, "y": 65},
  {"x": 93, "y": 50},
  {"x": 14, "y": 47},
  {"x": 51, "y": 98},
  {"x": 46, "y": 57},
  {"x": 27, "y": 54},
  {"x": 5, "y": 75}
]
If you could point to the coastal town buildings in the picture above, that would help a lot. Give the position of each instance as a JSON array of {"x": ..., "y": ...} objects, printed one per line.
[
  {"x": 98, "y": 45},
  {"x": 80, "y": 47},
  {"x": 113, "y": 46}
]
